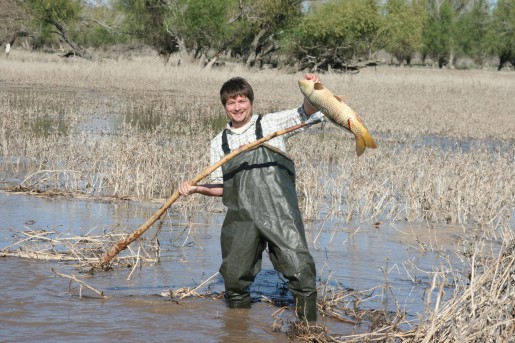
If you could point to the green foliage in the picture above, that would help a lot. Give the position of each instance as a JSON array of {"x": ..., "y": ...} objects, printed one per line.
[
  {"x": 436, "y": 36},
  {"x": 60, "y": 11},
  {"x": 52, "y": 16},
  {"x": 336, "y": 32},
  {"x": 503, "y": 31},
  {"x": 472, "y": 32},
  {"x": 329, "y": 35},
  {"x": 403, "y": 25},
  {"x": 152, "y": 22},
  {"x": 144, "y": 18},
  {"x": 206, "y": 23},
  {"x": 262, "y": 23}
]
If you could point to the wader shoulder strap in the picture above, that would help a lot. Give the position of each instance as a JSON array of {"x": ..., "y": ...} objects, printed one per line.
[
  {"x": 225, "y": 143},
  {"x": 259, "y": 129}
]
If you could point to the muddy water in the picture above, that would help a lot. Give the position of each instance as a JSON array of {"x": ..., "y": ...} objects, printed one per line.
[{"x": 37, "y": 305}]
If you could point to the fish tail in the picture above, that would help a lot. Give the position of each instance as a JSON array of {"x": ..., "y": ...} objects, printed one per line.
[
  {"x": 360, "y": 145},
  {"x": 364, "y": 141},
  {"x": 369, "y": 141}
]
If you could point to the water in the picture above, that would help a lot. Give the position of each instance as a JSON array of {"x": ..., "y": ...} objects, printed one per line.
[{"x": 38, "y": 305}]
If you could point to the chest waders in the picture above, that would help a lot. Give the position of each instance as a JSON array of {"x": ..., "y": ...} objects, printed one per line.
[{"x": 259, "y": 192}]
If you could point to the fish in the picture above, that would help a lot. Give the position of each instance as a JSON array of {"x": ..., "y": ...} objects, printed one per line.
[{"x": 338, "y": 112}]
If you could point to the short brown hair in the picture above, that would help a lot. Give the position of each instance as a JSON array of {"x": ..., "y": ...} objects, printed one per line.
[{"x": 234, "y": 87}]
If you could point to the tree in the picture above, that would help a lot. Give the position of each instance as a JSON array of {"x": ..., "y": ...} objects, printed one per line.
[
  {"x": 503, "y": 30},
  {"x": 472, "y": 32},
  {"x": 436, "y": 35},
  {"x": 101, "y": 26},
  {"x": 335, "y": 33},
  {"x": 154, "y": 22},
  {"x": 56, "y": 16},
  {"x": 403, "y": 26},
  {"x": 440, "y": 33},
  {"x": 13, "y": 21},
  {"x": 209, "y": 24},
  {"x": 264, "y": 22}
]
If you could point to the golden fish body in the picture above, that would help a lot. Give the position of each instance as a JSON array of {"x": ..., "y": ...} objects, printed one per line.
[{"x": 338, "y": 112}]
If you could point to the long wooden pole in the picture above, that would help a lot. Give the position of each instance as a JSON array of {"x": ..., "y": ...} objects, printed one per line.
[{"x": 122, "y": 244}]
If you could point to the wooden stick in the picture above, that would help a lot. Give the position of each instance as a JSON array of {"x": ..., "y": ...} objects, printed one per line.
[{"x": 122, "y": 244}]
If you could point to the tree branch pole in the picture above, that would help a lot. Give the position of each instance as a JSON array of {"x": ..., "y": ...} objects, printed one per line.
[{"x": 122, "y": 244}]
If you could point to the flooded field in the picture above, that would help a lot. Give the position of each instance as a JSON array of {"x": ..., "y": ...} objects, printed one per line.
[
  {"x": 37, "y": 305},
  {"x": 408, "y": 239}
]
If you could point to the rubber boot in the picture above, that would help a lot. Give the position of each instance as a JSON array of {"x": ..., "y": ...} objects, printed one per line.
[
  {"x": 306, "y": 307},
  {"x": 239, "y": 301}
]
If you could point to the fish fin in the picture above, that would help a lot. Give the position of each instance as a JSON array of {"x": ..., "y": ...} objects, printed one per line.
[
  {"x": 342, "y": 98},
  {"x": 360, "y": 145},
  {"x": 364, "y": 141},
  {"x": 369, "y": 141},
  {"x": 318, "y": 86},
  {"x": 338, "y": 98}
]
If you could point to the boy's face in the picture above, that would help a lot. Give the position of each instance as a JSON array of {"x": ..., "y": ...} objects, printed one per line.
[{"x": 238, "y": 110}]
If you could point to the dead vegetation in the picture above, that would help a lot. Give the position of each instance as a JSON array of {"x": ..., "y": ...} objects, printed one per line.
[
  {"x": 135, "y": 129},
  {"x": 477, "y": 307},
  {"x": 85, "y": 250},
  {"x": 481, "y": 308}
]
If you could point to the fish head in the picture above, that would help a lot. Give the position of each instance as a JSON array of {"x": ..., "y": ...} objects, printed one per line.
[{"x": 306, "y": 87}]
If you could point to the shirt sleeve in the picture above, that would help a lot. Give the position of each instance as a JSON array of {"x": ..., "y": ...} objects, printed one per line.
[
  {"x": 215, "y": 156},
  {"x": 281, "y": 120}
]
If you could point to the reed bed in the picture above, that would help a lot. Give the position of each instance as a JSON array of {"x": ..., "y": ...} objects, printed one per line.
[
  {"x": 482, "y": 309},
  {"x": 408, "y": 183},
  {"x": 136, "y": 128}
]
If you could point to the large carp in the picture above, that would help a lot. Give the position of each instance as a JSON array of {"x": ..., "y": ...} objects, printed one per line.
[{"x": 338, "y": 112}]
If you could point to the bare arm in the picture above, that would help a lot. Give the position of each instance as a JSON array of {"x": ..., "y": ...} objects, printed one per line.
[{"x": 209, "y": 189}]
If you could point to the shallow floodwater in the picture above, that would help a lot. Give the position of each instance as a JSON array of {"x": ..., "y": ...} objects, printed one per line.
[{"x": 37, "y": 305}]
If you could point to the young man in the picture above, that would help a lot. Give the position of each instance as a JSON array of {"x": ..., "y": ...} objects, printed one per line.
[{"x": 258, "y": 188}]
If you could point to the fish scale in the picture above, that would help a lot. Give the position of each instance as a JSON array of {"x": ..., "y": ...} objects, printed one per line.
[{"x": 338, "y": 112}]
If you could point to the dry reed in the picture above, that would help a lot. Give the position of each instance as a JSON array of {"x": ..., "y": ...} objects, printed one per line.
[
  {"x": 86, "y": 250},
  {"x": 476, "y": 307},
  {"x": 136, "y": 128}
]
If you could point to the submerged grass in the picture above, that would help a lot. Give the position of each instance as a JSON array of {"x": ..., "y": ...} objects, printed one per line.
[{"x": 134, "y": 129}]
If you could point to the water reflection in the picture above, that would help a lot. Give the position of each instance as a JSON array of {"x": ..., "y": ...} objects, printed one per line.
[{"x": 235, "y": 322}]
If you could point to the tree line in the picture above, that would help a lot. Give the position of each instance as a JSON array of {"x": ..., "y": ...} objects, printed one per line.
[{"x": 315, "y": 35}]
